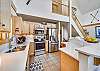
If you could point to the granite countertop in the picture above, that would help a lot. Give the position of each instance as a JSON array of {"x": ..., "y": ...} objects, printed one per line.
[
  {"x": 14, "y": 61},
  {"x": 71, "y": 52},
  {"x": 70, "y": 48},
  {"x": 74, "y": 46},
  {"x": 93, "y": 50},
  {"x": 6, "y": 48}
]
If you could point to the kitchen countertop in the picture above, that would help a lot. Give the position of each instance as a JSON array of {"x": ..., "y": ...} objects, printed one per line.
[
  {"x": 89, "y": 51},
  {"x": 74, "y": 46},
  {"x": 14, "y": 61},
  {"x": 70, "y": 51},
  {"x": 70, "y": 48},
  {"x": 7, "y": 49},
  {"x": 93, "y": 50}
]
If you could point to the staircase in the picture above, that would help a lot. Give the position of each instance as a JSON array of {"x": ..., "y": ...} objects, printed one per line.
[
  {"x": 77, "y": 25},
  {"x": 75, "y": 21}
]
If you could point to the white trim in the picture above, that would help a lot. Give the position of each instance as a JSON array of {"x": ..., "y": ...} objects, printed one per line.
[
  {"x": 59, "y": 34},
  {"x": 70, "y": 17},
  {"x": 62, "y": 33}
]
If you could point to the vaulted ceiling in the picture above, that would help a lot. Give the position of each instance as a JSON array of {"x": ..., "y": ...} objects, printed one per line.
[{"x": 86, "y": 6}]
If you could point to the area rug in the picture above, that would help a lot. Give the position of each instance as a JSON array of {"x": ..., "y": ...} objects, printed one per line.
[{"x": 36, "y": 66}]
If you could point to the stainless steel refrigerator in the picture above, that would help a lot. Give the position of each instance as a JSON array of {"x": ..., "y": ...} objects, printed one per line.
[{"x": 53, "y": 40}]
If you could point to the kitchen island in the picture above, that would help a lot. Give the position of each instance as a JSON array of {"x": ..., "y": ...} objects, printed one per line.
[
  {"x": 69, "y": 57},
  {"x": 15, "y": 61},
  {"x": 86, "y": 57},
  {"x": 78, "y": 57}
]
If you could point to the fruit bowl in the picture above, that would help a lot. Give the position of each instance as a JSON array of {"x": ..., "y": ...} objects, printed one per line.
[{"x": 91, "y": 39}]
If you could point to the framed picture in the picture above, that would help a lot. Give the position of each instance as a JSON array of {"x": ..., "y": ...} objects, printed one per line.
[{"x": 97, "y": 31}]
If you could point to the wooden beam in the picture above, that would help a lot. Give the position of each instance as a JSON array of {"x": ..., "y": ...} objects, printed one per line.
[{"x": 96, "y": 24}]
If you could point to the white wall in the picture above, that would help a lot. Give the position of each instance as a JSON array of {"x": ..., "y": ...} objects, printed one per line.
[
  {"x": 38, "y": 8},
  {"x": 87, "y": 18},
  {"x": 65, "y": 33},
  {"x": 91, "y": 31},
  {"x": 35, "y": 6}
]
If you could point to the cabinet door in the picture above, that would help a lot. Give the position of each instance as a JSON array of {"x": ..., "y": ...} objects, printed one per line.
[
  {"x": 25, "y": 27},
  {"x": 97, "y": 61},
  {"x": 31, "y": 28},
  {"x": 5, "y": 13},
  {"x": 68, "y": 63},
  {"x": 17, "y": 24}
]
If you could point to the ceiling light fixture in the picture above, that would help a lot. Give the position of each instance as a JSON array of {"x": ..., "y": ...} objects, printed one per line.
[{"x": 28, "y": 2}]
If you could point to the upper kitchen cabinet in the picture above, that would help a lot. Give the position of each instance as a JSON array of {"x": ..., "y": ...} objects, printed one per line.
[
  {"x": 32, "y": 28},
  {"x": 5, "y": 14},
  {"x": 51, "y": 25},
  {"x": 25, "y": 27},
  {"x": 17, "y": 23},
  {"x": 28, "y": 27}
]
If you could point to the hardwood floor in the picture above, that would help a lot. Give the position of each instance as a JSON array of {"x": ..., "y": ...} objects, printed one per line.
[
  {"x": 49, "y": 61},
  {"x": 57, "y": 61}
]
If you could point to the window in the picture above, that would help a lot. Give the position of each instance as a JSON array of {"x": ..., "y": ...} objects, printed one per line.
[{"x": 55, "y": 8}]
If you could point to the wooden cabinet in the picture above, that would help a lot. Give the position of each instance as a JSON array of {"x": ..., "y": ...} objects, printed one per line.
[
  {"x": 97, "y": 61},
  {"x": 25, "y": 27},
  {"x": 28, "y": 27},
  {"x": 68, "y": 63},
  {"x": 31, "y": 52},
  {"x": 32, "y": 28},
  {"x": 51, "y": 25},
  {"x": 46, "y": 46},
  {"x": 17, "y": 24},
  {"x": 5, "y": 20},
  {"x": 31, "y": 49},
  {"x": 5, "y": 14}
]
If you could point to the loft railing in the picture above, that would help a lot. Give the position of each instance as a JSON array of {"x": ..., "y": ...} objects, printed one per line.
[
  {"x": 13, "y": 6},
  {"x": 76, "y": 20},
  {"x": 59, "y": 8}
]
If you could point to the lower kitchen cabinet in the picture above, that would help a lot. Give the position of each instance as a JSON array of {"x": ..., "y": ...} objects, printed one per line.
[
  {"x": 30, "y": 57},
  {"x": 68, "y": 63},
  {"x": 97, "y": 61}
]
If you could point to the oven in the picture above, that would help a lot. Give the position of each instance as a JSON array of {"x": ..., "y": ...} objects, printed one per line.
[{"x": 39, "y": 45}]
